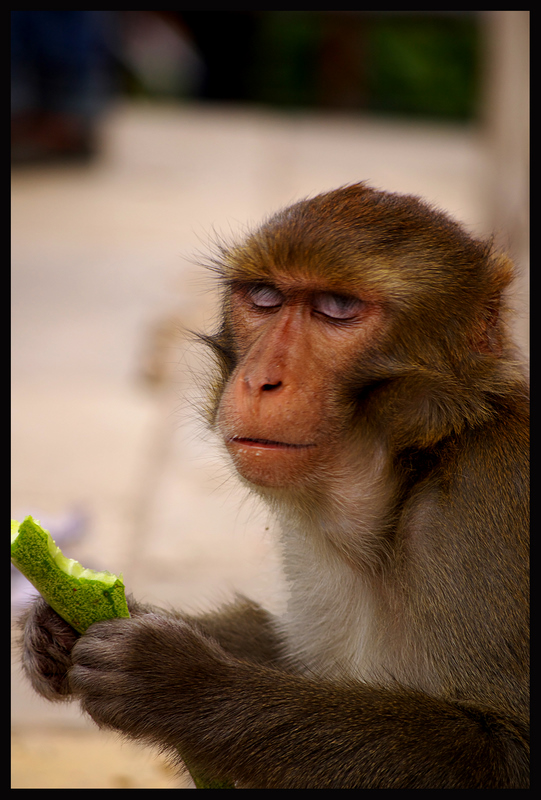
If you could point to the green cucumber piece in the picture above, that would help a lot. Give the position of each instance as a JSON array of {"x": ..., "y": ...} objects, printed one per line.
[{"x": 81, "y": 596}]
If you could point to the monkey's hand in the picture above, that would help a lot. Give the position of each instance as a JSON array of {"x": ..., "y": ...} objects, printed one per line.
[
  {"x": 46, "y": 650},
  {"x": 145, "y": 676},
  {"x": 46, "y": 644}
]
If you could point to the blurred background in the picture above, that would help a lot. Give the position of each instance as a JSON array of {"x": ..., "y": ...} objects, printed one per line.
[{"x": 138, "y": 138}]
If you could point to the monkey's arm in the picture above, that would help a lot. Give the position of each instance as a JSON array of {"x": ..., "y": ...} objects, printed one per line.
[
  {"x": 243, "y": 629},
  {"x": 160, "y": 680}
]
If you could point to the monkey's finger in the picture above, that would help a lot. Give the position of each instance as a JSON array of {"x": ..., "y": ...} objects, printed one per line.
[{"x": 100, "y": 650}]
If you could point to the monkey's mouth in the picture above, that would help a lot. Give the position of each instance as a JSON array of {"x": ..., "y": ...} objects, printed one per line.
[{"x": 267, "y": 443}]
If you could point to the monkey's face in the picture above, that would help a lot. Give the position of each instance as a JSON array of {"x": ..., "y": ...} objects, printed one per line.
[
  {"x": 352, "y": 315},
  {"x": 281, "y": 414}
]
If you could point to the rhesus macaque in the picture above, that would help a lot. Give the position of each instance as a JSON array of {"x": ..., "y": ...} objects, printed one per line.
[{"x": 368, "y": 391}]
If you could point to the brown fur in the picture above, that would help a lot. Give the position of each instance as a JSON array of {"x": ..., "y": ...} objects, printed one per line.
[{"x": 392, "y": 446}]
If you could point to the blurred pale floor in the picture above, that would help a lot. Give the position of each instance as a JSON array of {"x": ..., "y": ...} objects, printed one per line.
[{"x": 101, "y": 255}]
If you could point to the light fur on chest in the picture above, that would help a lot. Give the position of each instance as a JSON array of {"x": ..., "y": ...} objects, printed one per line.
[{"x": 335, "y": 623}]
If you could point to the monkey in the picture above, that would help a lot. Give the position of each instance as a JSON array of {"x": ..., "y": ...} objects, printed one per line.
[{"x": 368, "y": 389}]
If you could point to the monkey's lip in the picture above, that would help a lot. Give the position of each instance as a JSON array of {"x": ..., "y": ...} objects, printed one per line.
[{"x": 268, "y": 444}]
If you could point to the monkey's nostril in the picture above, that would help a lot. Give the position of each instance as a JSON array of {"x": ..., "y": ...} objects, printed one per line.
[{"x": 267, "y": 387}]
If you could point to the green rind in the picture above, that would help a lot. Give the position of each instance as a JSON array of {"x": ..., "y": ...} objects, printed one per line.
[{"x": 92, "y": 597}]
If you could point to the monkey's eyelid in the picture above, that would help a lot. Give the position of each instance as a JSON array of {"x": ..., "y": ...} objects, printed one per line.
[
  {"x": 265, "y": 296},
  {"x": 336, "y": 306}
]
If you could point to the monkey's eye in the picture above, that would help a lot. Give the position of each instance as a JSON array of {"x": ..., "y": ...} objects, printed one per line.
[
  {"x": 265, "y": 296},
  {"x": 337, "y": 306}
]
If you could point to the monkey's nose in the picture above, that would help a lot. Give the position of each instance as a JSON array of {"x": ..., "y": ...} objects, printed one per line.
[{"x": 268, "y": 387}]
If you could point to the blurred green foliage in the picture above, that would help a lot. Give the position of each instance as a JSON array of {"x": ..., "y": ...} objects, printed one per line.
[
  {"x": 423, "y": 65},
  {"x": 418, "y": 64},
  {"x": 286, "y": 58}
]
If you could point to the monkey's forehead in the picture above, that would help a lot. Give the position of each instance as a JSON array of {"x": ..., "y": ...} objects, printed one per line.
[
  {"x": 386, "y": 273},
  {"x": 360, "y": 240}
]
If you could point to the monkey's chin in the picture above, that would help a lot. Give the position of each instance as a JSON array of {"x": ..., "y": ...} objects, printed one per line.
[{"x": 268, "y": 463}]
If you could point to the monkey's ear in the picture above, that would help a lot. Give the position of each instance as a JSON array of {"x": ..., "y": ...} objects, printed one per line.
[
  {"x": 501, "y": 272},
  {"x": 488, "y": 338}
]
